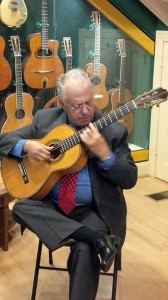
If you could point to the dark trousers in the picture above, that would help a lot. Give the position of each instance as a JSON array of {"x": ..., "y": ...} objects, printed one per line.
[{"x": 52, "y": 227}]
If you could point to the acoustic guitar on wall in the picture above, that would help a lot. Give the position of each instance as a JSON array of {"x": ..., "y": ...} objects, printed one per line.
[
  {"x": 13, "y": 13},
  {"x": 31, "y": 179},
  {"x": 67, "y": 46},
  {"x": 19, "y": 105},
  {"x": 120, "y": 96},
  {"x": 96, "y": 70},
  {"x": 5, "y": 69},
  {"x": 42, "y": 66}
]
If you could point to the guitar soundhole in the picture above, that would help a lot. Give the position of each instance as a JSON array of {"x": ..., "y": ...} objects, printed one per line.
[
  {"x": 20, "y": 114},
  {"x": 55, "y": 153},
  {"x": 96, "y": 80},
  {"x": 44, "y": 52}
]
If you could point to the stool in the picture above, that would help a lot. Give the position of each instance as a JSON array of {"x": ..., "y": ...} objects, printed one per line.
[{"x": 38, "y": 266}]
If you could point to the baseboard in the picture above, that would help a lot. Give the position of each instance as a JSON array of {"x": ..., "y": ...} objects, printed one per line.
[{"x": 143, "y": 168}]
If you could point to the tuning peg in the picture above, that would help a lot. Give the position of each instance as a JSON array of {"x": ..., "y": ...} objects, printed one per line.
[
  {"x": 38, "y": 24},
  {"x": 91, "y": 54},
  {"x": 91, "y": 27}
]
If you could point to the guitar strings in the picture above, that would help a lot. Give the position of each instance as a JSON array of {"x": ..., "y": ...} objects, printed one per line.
[{"x": 76, "y": 137}]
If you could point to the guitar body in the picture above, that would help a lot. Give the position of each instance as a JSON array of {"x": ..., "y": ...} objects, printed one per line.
[
  {"x": 17, "y": 118},
  {"x": 128, "y": 119},
  {"x": 42, "y": 71},
  {"x": 100, "y": 93},
  {"x": 13, "y": 13},
  {"x": 5, "y": 70},
  {"x": 42, "y": 176}
]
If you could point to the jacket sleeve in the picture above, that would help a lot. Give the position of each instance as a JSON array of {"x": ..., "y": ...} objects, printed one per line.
[
  {"x": 10, "y": 139},
  {"x": 123, "y": 172}
]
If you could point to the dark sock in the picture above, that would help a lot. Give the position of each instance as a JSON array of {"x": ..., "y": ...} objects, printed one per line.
[{"x": 87, "y": 235}]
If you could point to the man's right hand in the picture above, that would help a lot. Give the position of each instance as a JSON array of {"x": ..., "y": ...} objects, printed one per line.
[{"x": 37, "y": 151}]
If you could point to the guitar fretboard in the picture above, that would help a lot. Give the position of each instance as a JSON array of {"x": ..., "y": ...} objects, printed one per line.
[
  {"x": 105, "y": 121},
  {"x": 122, "y": 80},
  {"x": 97, "y": 52},
  {"x": 18, "y": 79},
  {"x": 68, "y": 63},
  {"x": 44, "y": 26}
]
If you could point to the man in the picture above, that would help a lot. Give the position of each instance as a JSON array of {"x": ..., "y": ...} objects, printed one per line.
[{"x": 100, "y": 207}]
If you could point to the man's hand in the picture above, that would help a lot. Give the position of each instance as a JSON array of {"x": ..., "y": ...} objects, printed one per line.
[
  {"x": 37, "y": 151},
  {"x": 95, "y": 142}
]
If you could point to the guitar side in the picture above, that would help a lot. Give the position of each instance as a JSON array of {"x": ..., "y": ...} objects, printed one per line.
[
  {"x": 5, "y": 70},
  {"x": 100, "y": 93},
  {"x": 13, "y": 14},
  {"x": 127, "y": 120},
  {"x": 17, "y": 118},
  {"x": 42, "y": 71}
]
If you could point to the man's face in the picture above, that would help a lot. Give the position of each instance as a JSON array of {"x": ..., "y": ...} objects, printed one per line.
[{"x": 78, "y": 103}]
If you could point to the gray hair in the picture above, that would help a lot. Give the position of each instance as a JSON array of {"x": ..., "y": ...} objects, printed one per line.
[{"x": 77, "y": 74}]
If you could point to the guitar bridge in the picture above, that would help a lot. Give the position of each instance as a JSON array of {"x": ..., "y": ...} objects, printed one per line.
[
  {"x": 44, "y": 82},
  {"x": 23, "y": 171}
]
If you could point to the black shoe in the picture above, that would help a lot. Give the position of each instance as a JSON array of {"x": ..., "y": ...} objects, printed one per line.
[{"x": 107, "y": 247}]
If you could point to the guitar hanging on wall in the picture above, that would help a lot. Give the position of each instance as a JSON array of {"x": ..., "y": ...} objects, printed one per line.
[
  {"x": 96, "y": 70},
  {"x": 120, "y": 96},
  {"x": 13, "y": 13},
  {"x": 19, "y": 105},
  {"x": 42, "y": 66},
  {"x": 67, "y": 45},
  {"x": 31, "y": 179},
  {"x": 5, "y": 69}
]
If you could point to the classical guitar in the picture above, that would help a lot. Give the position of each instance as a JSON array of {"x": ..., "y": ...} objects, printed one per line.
[
  {"x": 42, "y": 65},
  {"x": 13, "y": 13},
  {"x": 96, "y": 70},
  {"x": 30, "y": 179},
  {"x": 19, "y": 105},
  {"x": 67, "y": 45},
  {"x": 5, "y": 69},
  {"x": 121, "y": 95}
]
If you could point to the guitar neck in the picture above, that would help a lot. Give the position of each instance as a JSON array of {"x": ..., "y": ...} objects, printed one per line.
[
  {"x": 122, "y": 80},
  {"x": 97, "y": 53},
  {"x": 18, "y": 78},
  {"x": 44, "y": 8},
  {"x": 68, "y": 63},
  {"x": 105, "y": 121}
]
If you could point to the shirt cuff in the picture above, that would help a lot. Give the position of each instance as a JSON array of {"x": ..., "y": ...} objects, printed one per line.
[
  {"x": 106, "y": 164},
  {"x": 18, "y": 149}
]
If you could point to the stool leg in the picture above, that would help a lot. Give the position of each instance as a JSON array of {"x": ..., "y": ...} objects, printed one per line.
[
  {"x": 36, "y": 272},
  {"x": 115, "y": 275},
  {"x": 50, "y": 257},
  {"x": 119, "y": 262}
]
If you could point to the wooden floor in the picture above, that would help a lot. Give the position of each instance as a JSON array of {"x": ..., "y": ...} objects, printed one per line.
[{"x": 144, "y": 274}]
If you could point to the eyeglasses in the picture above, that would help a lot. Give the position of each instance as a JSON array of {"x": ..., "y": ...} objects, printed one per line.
[{"x": 78, "y": 107}]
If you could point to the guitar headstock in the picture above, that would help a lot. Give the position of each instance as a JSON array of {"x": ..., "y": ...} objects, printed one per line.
[
  {"x": 15, "y": 43},
  {"x": 67, "y": 44},
  {"x": 151, "y": 98},
  {"x": 121, "y": 47},
  {"x": 96, "y": 19}
]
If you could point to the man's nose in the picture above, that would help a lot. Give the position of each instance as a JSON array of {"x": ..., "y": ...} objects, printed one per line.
[{"x": 84, "y": 108}]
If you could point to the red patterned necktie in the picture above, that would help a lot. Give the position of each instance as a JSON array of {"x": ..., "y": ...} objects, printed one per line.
[{"x": 66, "y": 194}]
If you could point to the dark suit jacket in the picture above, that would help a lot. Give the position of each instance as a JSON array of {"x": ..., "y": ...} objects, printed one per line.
[{"x": 108, "y": 185}]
